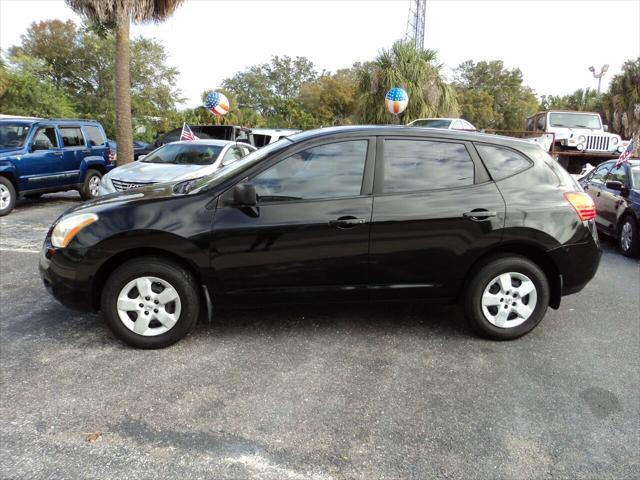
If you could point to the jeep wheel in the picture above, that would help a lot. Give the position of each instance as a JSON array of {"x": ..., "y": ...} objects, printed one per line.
[
  {"x": 7, "y": 196},
  {"x": 91, "y": 185}
]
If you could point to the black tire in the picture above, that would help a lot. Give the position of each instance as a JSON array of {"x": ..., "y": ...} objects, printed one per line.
[
  {"x": 633, "y": 248},
  {"x": 32, "y": 196},
  {"x": 483, "y": 275},
  {"x": 172, "y": 273},
  {"x": 85, "y": 192},
  {"x": 8, "y": 194}
]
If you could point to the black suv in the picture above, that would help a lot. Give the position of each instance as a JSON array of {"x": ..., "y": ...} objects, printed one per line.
[{"x": 336, "y": 214}]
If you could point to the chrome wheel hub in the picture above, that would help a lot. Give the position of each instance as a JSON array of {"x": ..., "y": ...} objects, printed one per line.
[
  {"x": 149, "y": 306},
  {"x": 509, "y": 300},
  {"x": 94, "y": 185},
  {"x": 626, "y": 236},
  {"x": 5, "y": 197}
]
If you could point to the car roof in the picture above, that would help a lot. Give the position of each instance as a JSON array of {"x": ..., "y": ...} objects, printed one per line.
[
  {"x": 436, "y": 118},
  {"x": 58, "y": 121},
  {"x": 406, "y": 131},
  {"x": 267, "y": 131},
  {"x": 205, "y": 141}
]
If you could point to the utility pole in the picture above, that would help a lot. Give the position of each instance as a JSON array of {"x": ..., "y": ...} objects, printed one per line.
[
  {"x": 416, "y": 22},
  {"x": 599, "y": 76}
]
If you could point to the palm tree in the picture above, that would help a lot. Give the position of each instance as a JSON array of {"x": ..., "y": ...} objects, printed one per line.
[
  {"x": 622, "y": 101},
  {"x": 415, "y": 70},
  {"x": 120, "y": 13}
]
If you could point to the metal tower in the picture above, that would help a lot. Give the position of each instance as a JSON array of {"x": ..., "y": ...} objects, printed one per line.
[{"x": 416, "y": 21}]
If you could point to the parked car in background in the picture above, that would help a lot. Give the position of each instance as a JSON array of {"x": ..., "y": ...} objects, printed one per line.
[
  {"x": 40, "y": 156},
  {"x": 448, "y": 123},
  {"x": 577, "y": 131},
  {"x": 265, "y": 136},
  {"x": 174, "y": 162},
  {"x": 204, "y": 132},
  {"x": 139, "y": 148},
  {"x": 335, "y": 214},
  {"x": 616, "y": 193}
]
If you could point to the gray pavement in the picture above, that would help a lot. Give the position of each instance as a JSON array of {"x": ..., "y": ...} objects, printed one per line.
[{"x": 317, "y": 392}]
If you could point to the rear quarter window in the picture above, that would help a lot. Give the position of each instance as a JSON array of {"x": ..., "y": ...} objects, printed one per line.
[
  {"x": 95, "y": 137},
  {"x": 502, "y": 162}
]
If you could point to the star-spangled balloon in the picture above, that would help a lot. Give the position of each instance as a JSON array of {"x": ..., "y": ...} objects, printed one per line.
[
  {"x": 396, "y": 100},
  {"x": 217, "y": 103}
]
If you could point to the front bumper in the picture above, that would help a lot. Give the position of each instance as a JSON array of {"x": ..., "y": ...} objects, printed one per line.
[{"x": 63, "y": 280}]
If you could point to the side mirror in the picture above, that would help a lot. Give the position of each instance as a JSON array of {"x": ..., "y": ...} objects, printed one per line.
[
  {"x": 40, "y": 145},
  {"x": 605, "y": 128},
  {"x": 614, "y": 185},
  {"x": 141, "y": 157},
  {"x": 244, "y": 195}
]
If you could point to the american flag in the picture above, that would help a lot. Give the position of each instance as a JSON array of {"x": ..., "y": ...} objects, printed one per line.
[
  {"x": 187, "y": 134},
  {"x": 624, "y": 156}
]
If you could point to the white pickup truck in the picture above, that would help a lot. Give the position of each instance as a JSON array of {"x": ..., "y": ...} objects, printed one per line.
[{"x": 578, "y": 131}]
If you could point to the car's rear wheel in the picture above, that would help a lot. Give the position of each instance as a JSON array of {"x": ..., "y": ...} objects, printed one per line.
[
  {"x": 151, "y": 302},
  {"x": 91, "y": 184},
  {"x": 7, "y": 196},
  {"x": 628, "y": 237},
  {"x": 506, "y": 297}
]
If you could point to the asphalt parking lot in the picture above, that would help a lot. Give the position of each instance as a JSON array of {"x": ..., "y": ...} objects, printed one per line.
[{"x": 316, "y": 392}]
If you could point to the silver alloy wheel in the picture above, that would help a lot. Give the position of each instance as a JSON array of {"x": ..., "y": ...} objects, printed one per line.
[
  {"x": 94, "y": 185},
  {"x": 5, "y": 197},
  {"x": 626, "y": 236},
  {"x": 509, "y": 300},
  {"x": 149, "y": 306}
]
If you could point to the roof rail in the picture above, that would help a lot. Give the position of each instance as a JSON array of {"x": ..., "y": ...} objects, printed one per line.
[{"x": 69, "y": 120}]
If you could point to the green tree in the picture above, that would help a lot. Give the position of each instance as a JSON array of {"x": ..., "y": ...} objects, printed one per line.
[
  {"x": 413, "y": 69},
  {"x": 120, "y": 13},
  {"x": 587, "y": 100},
  {"x": 29, "y": 96},
  {"x": 272, "y": 89},
  {"x": 331, "y": 98},
  {"x": 622, "y": 102},
  {"x": 512, "y": 101},
  {"x": 90, "y": 79}
]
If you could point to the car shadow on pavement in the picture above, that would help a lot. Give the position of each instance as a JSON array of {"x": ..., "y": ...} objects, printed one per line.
[{"x": 28, "y": 203}]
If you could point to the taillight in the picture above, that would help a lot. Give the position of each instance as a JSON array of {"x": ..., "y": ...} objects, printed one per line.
[
  {"x": 111, "y": 156},
  {"x": 583, "y": 204}
]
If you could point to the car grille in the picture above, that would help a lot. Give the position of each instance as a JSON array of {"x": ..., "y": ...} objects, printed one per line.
[
  {"x": 597, "y": 143},
  {"x": 121, "y": 185}
]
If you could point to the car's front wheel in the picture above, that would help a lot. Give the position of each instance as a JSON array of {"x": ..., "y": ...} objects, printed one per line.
[
  {"x": 506, "y": 297},
  {"x": 628, "y": 237},
  {"x": 151, "y": 302},
  {"x": 7, "y": 196}
]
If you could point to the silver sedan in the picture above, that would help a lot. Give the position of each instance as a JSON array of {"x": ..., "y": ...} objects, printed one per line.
[{"x": 174, "y": 162}]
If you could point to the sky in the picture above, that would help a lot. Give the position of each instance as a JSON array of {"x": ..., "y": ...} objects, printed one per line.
[{"x": 553, "y": 42}]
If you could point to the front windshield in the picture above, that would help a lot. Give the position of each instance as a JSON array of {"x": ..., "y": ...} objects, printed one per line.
[
  {"x": 13, "y": 134},
  {"x": 575, "y": 120},
  {"x": 432, "y": 123},
  {"x": 184, "y": 154},
  {"x": 235, "y": 168},
  {"x": 635, "y": 176}
]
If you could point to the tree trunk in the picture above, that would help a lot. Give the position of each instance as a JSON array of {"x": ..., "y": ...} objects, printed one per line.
[{"x": 124, "y": 130}]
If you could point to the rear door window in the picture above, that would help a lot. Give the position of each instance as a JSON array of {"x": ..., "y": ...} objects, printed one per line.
[
  {"x": 502, "y": 162},
  {"x": 72, "y": 137},
  {"x": 415, "y": 165},
  {"x": 95, "y": 136}
]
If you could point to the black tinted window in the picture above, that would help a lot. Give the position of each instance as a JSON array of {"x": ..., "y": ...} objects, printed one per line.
[
  {"x": 619, "y": 174},
  {"x": 46, "y": 136},
  {"x": 327, "y": 171},
  {"x": 95, "y": 136},
  {"x": 502, "y": 162},
  {"x": 411, "y": 165},
  {"x": 72, "y": 137}
]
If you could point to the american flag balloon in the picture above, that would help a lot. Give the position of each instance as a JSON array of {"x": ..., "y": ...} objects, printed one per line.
[
  {"x": 396, "y": 100},
  {"x": 217, "y": 103}
]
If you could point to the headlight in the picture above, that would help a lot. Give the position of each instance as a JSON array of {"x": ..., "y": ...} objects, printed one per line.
[
  {"x": 582, "y": 139},
  {"x": 69, "y": 227},
  {"x": 614, "y": 140}
]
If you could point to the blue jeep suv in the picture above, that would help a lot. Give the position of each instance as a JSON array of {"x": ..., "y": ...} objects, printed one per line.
[{"x": 39, "y": 156}]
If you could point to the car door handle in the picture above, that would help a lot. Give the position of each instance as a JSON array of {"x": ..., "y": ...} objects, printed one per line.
[
  {"x": 347, "y": 222},
  {"x": 479, "y": 214},
  {"x": 58, "y": 153},
  {"x": 86, "y": 151}
]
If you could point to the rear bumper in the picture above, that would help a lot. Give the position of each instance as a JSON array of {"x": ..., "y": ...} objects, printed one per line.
[{"x": 577, "y": 264}]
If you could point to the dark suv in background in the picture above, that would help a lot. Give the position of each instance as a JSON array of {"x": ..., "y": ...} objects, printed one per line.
[
  {"x": 336, "y": 214},
  {"x": 40, "y": 156}
]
